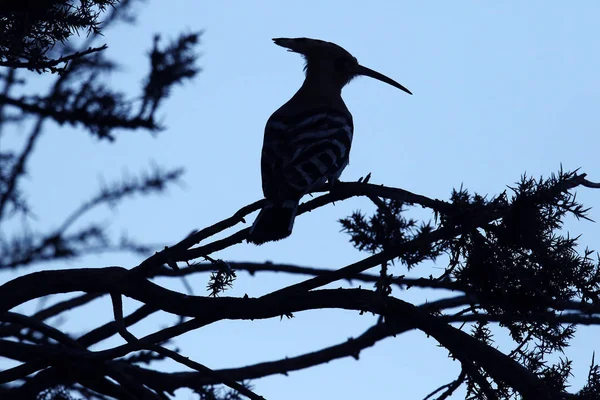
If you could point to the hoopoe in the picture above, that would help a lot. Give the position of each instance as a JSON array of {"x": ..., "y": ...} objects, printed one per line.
[{"x": 307, "y": 140}]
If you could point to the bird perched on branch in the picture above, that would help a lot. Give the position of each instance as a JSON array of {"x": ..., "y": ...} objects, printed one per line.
[{"x": 307, "y": 140}]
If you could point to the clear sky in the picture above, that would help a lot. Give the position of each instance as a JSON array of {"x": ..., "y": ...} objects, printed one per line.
[{"x": 500, "y": 88}]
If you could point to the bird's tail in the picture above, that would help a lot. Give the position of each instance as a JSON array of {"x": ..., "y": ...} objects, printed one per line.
[{"x": 274, "y": 222}]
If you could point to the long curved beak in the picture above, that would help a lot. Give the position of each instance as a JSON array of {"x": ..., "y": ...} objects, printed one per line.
[{"x": 380, "y": 77}]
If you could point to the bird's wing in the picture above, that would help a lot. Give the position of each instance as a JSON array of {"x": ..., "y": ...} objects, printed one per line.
[{"x": 300, "y": 153}]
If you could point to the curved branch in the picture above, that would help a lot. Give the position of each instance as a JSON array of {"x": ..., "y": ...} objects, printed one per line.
[
  {"x": 350, "y": 348},
  {"x": 107, "y": 330},
  {"x": 345, "y": 190},
  {"x": 47, "y": 330},
  {"x": 342, "y": 191},
  {"x": 207, "y": 310},
  {"x": 193, "y": 380}
]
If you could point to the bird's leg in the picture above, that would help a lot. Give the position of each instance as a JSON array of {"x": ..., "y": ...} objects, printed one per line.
[
  {"x": 331, "y": 184},
  {"x": 324, "y": 186}
]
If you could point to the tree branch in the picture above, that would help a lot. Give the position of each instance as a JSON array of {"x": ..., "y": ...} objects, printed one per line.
[{"x": 42, "y": 65}]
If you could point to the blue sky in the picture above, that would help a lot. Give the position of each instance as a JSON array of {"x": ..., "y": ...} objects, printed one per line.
[{"x": 500, "y": 88}]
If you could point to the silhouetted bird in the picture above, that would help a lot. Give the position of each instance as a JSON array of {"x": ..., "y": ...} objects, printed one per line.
[{"x": 307, "y": 140}]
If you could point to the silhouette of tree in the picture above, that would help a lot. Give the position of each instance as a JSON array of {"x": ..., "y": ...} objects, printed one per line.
[{"x": 509, "y": 263}]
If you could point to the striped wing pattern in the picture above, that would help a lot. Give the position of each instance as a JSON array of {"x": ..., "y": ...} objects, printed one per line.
[{"x": 302, "y": 153}]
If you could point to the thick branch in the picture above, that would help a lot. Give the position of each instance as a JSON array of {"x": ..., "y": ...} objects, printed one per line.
[
  {"x": 208, "y": 310},
  {"x": 350, "y": 348}
]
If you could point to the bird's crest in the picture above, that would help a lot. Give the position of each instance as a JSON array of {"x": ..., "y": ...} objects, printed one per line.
[
  {"x": 308, "y": 47},
  {"x": 332, "y": 59}
]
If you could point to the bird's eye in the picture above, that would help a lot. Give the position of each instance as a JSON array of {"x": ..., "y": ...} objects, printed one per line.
[{"x": 343, "y": 63}]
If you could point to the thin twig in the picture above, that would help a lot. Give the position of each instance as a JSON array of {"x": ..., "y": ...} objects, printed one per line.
[{"x": 448, "y": 388}]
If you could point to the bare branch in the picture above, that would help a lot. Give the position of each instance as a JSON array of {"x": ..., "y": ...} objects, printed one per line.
[{"x": 50, "y": 64}]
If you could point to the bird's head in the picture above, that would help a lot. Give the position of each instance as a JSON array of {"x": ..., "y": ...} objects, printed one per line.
[{"x": 326, "y": 60}]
